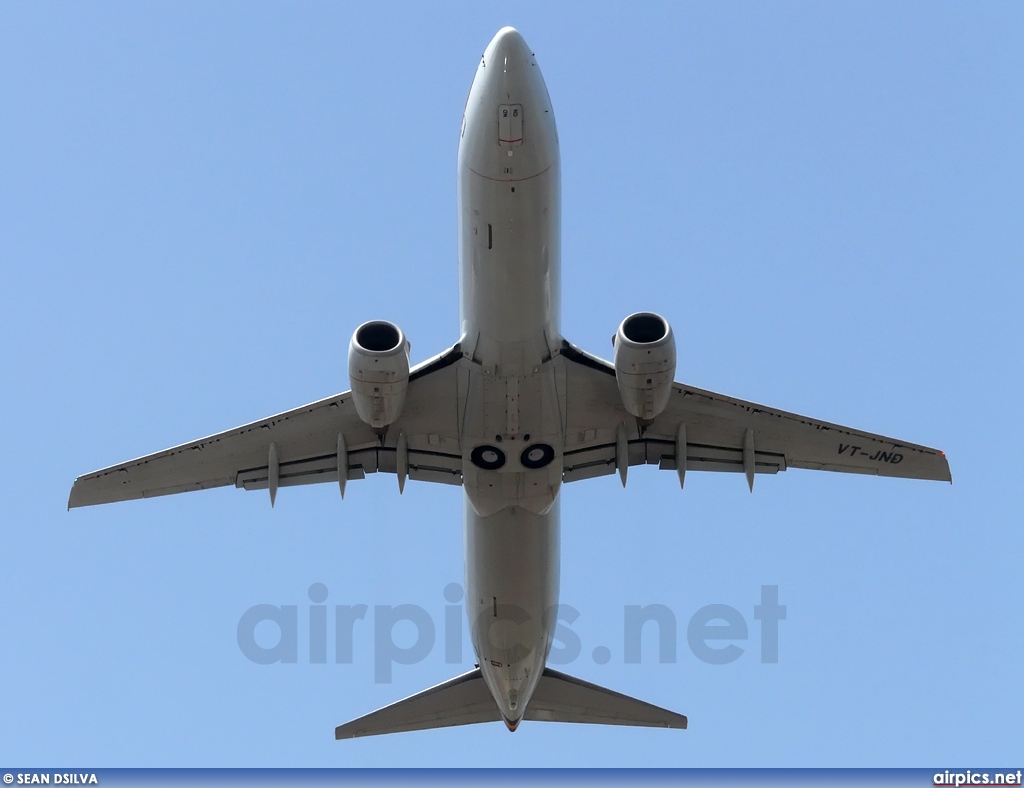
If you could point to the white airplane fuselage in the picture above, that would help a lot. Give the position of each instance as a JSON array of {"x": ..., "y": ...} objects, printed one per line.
[{"x": 509, "y": 265}]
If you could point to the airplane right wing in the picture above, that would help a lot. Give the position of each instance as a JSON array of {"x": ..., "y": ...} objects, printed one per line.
[
  {"x": 704, "y": 431},
  {"x": 304, "y": 446}
]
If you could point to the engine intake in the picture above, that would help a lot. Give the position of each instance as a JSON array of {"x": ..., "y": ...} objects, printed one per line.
[
  {"x": 645, "y": 363},
  {"x": 378, "y": 370}
]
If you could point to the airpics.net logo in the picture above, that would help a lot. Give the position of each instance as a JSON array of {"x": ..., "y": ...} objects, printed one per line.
[
  {"x": 407, "y": 634},
  {"x": 976, "y": 778}
]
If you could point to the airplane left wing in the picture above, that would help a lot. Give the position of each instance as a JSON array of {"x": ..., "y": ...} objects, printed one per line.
[
  {"x": 704, "y": 431},
  {"x": 304, "y": 446}
]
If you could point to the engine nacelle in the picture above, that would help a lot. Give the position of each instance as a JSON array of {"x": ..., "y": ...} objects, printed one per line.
[
  {"x": 645, "y": 363},
  {"x": 378, "y": 370}
]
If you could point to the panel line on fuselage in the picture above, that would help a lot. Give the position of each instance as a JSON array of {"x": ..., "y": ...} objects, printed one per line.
[{"x": 509, "y": 180}]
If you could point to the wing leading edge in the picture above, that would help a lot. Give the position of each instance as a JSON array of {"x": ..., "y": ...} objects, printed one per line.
[
  {"x": 704, "y": 431},
  {"x": 306, "y": 445}
]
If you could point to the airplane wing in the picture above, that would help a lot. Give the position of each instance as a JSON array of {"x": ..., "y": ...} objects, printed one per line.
[
  {"x": 704, "y": 431},
  {"x": 304, "y": 446}
]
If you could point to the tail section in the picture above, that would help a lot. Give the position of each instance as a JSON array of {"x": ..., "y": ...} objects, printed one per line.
[
  {"x": 462, "y": 700},
  {"x": 563, "y": 698},
  {"x": 465, "y": 699}
]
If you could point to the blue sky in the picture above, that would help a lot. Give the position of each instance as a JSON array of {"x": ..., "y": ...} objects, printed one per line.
[{"x": 199, "y": 202}]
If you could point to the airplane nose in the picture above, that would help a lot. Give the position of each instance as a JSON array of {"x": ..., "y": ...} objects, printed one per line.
[
  {"x": 508, "y": 104},
  {"x": 508, "y": 51}
]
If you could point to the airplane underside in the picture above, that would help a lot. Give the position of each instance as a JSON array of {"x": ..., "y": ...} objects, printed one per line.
[{"x": 511, "y": 412}]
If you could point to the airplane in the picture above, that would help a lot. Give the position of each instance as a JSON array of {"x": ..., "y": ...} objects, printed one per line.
[{"x": 511, "y": 412}]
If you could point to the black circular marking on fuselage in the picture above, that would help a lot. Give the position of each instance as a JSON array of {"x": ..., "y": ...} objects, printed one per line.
[
  {"x": 490, "y": 458},
  {"x": 537, "y": 456}
]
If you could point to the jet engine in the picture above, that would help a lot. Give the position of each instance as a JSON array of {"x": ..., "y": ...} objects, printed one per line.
[
  {"x": 645, "y": 363},
  {"x": 378, "y": 369}
]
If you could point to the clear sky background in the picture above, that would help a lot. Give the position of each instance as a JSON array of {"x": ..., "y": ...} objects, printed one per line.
[{"x": 199, "y": 202}]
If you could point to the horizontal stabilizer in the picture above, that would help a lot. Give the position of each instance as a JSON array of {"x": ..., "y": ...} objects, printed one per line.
[
  {"x": 562, "y": 698},
  {"x": 462, "y": 700},
  {"x": 465, "y": 699}
]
